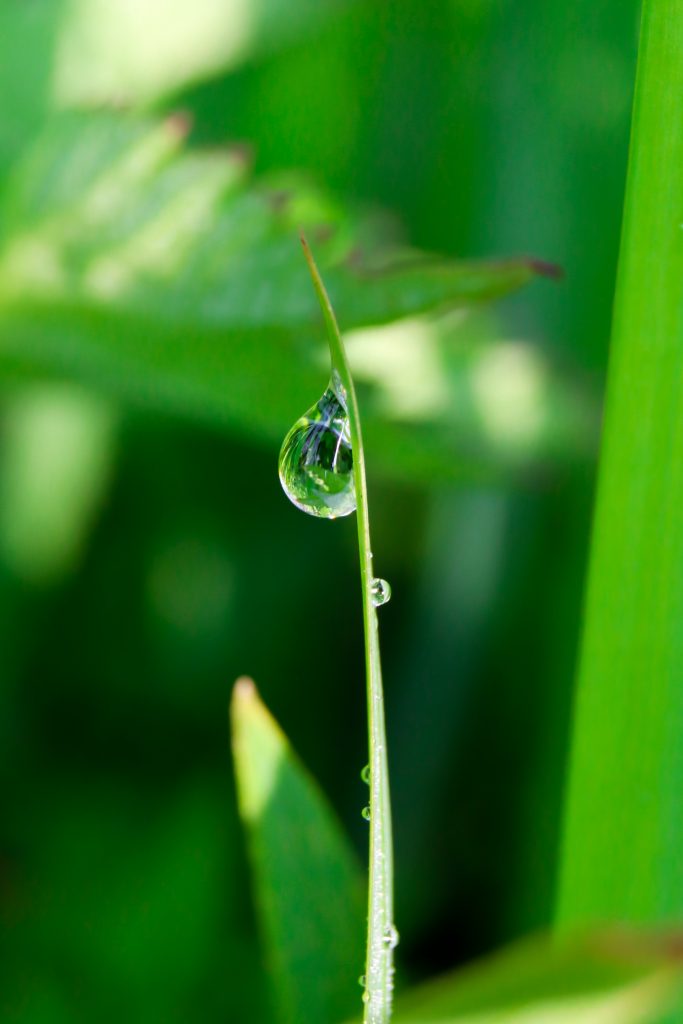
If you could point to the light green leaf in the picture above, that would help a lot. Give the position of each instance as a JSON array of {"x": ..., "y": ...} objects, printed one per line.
[
  {"x": 57, "y": 449},
  {"x": 309, "y": 887},
  {"x": 616, "y": 977},
  {"x": 164, "y": 276},
  {"x": 137, "y": 51},
  {"x": 27, "y": 41},
  {"x": 109, "y": 211}
]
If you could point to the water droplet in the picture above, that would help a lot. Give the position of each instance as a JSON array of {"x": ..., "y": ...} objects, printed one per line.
[
  {"x": 391, "y": 936},
  {"x": 366, "y": 813},
  {"x": 362, "y": 981},
  {"x": 365, "y": 775},
  {"x": 339, "y": 389},
  {"x": 316, "y": 461},
  {"x": 380, "y": 592}
]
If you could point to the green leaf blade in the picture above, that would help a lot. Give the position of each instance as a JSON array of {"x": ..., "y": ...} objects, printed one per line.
[
  {"x": 613, "y": 977},
  {"x": 624, "y": 818},
  {"x": 308, "y": 884}
]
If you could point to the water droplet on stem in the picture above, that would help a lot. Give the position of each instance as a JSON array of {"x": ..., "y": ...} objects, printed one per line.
[
  {"x": 380, "y": 592},
  {"x": 365, "y": 775},
  {"x": 316, "y": 460},
  {"x": 366, "y": 813},
  {"x": 391, "y": 937}
]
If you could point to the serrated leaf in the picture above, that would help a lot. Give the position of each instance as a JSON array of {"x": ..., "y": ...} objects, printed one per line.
[
  {"x": 108, "y": 210},
  {"x": 613, "y": 977},
  {"x": 165, "y": 275},
  {"x": 309, "y": 887}
]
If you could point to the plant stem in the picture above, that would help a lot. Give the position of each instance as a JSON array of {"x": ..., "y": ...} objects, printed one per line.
[
  {"x": 624, "y": 821},
  {"x": 379, "y": 961}
]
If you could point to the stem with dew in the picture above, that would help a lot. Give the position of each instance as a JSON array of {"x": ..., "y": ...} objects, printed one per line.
[{"x": 379, "y": 961}]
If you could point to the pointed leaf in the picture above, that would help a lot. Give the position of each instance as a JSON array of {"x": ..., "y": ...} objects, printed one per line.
[{"x": 309, "y": 887}]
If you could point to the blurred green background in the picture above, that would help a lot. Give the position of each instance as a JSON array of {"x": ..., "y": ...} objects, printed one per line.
[{"x": 148, "y": 555}]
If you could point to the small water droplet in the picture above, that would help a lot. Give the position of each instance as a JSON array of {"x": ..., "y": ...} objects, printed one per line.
[
  {"x": 365, "y": 775},
  {"x": 362, "y": 981},
  {"x": 366, "y": 813},
  {"x": 316, "y": 460},
  {"x": 391, "y": 937},
  {"x": 380, "y": 592}
]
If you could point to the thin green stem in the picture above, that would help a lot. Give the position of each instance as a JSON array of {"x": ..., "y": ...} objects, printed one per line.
[
  {"x": 624, "y": 822},
  {"x": 379, "y": 962}
]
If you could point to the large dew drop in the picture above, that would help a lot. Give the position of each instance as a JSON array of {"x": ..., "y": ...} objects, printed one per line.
[{"x": 316, "y": 461}]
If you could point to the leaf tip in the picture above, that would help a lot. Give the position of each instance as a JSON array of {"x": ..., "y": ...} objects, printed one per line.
[
  {"x": 243, "y": 692},
  {"x": 544, "y": 268},
  {"x": 179, "y": 124}
]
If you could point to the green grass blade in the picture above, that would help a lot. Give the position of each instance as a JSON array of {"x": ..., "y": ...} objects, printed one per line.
[
  {"x": 610, "y": 978},
  {"x": 379, "y": 959},
  {"x": 624, "y": 822},
  {"x": 309, "y": 887}
]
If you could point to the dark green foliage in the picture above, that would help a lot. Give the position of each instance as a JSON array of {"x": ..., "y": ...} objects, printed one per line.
[{"x": 147, "y": 554}]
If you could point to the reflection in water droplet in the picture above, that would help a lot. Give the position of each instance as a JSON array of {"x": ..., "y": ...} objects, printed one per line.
[
  {"x": 366, "y": 813},
  {"x": 316, "y": 461},
  {"x": 380, "y": 592},
  {"x": 365, "y": 775},
  {"x": 391, "y": 937},
  {"x": 339, "y": 389}
]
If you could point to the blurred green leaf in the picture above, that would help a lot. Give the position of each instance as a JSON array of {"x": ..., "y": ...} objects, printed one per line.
[
  {"x": 163, "y": 275},
  {"x": 27, "y": 40},
  {"x": 57, "y": 454},
  {"x": 610, "y": 978},
  {"x": 137, "y": 51},
  {"x": 309, "y": 887},
  {"x": 109, "y": 210}
]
